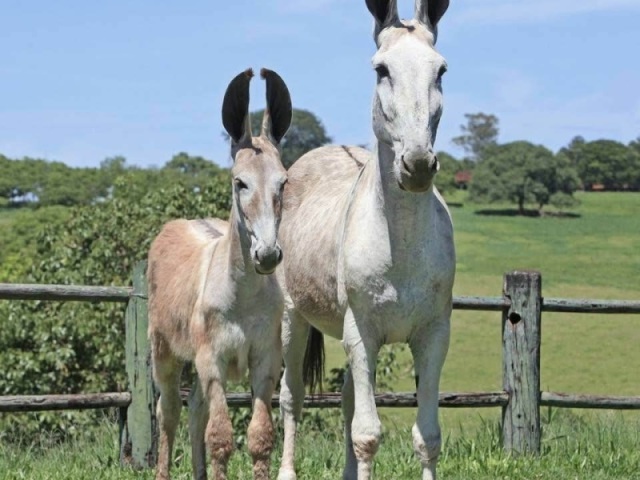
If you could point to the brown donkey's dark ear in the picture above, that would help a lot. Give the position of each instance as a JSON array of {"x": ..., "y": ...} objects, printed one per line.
[
  {"x": 385, "y": 13},
  {"x": 277, "y": 115},
  {"x": 235, "y": 107}
]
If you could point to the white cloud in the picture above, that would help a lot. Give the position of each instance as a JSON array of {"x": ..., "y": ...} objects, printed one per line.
[{"x": 519, "y": 11}]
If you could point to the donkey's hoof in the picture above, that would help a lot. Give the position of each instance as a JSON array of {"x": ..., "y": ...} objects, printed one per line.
[{"x": 287, "y": 475}]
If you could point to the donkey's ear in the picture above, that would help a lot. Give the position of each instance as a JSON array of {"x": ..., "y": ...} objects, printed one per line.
[
  {"x": 277, "y": 115},
  {"x": 385, "y": 13},
  {"x": 235, "y": 107},
  {"x": 430, "y": 12}
]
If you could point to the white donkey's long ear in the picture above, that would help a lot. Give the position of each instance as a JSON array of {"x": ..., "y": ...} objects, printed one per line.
[
  {"x": 277, "y": 115},
  {"x": 430, "y": 12},
  {"x": 385, "y": 13},
  {"x": 235, "y": 108}
]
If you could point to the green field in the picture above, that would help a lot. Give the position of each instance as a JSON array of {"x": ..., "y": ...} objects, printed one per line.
[
  {"x": 602, "y": 449},
  {"x": 592, "y": 254}
]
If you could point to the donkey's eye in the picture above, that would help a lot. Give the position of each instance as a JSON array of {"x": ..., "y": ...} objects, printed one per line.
[
  {"x": 240, "y": 185},
  {"x": 382, "y": 71}
]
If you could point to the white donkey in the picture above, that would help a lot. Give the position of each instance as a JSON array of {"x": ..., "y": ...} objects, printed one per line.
[
  {"x": 212, "y": 300},
  {"x": 369, "y": 247}
]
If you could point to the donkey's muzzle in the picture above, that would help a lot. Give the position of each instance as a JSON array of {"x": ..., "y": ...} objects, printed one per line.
[
  {"x": 416, "y": 172},
  {"x": 267, "y": 259}
]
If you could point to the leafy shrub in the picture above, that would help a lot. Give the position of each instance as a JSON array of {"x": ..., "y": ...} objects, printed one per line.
[{"x": 73, "y": 347}]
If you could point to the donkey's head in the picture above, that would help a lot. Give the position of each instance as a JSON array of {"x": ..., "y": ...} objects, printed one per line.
[
  {"x": 408, "y": 98},
  {"x": 258, "y": 174}
]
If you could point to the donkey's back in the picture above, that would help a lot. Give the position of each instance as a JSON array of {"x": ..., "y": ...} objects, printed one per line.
[{"x": 179, "y": 259}]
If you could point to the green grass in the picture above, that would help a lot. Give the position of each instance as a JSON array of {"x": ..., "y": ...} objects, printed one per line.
[{"x": 604, "y": 448}]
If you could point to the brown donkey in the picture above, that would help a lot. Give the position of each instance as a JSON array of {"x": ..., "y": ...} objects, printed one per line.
[{"x": 212, "y": 299}]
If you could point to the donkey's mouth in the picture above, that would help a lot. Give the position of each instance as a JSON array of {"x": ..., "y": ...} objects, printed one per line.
[{"x": 261, "y": 271}]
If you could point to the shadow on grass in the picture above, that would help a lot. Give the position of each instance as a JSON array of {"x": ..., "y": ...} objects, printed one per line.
[{"x": 514, "y": 212}]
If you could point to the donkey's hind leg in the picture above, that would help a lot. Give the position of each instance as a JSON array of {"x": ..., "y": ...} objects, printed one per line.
[
  {"x": 351, "y": 467},
  {"x": 294, "y": 341},
  {"x": 198, "y": 417},
  {"x": 166, "y": 372}
]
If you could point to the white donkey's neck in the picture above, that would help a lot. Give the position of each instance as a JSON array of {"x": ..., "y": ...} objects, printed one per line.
[{"x": 406, "y": 214}]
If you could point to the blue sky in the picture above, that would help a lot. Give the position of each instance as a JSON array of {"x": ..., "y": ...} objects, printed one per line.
[{"x": 81, "y": 81}]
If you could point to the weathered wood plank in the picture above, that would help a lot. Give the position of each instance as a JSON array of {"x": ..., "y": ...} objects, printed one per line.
[
  {"x": 521, "y": 327},
  {"x": 26, "y": 291},
  {"x": 39, "y": 403},
  {"x": 16, "y": 291},
  {"x": 496, "y": 304},
  {"x": 393, "y": 400},
  {"x": 578, "y": 305},
  {"x": 138, "y": 445},
  {"x": 608, "y": 402}
]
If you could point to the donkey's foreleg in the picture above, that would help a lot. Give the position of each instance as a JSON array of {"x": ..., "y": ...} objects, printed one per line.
[
  {"x": 294, "y": 340},
  {"x": 362, "y": 351},
  {"x": 198, "y": 417},
  {"x": 429, "y": 348},
  {"x": 219, "y": 432},
  {"x": 264, "y": 374},
  {"x": 166, "y": 373}
]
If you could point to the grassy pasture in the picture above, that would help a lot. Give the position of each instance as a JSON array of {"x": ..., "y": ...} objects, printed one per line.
[
  {"x": 591, "y": 255},
  {"x": 603, "y": 449}
]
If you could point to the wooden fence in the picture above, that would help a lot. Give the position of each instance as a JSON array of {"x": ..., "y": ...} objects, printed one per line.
[{"x": 521, "y": 305}]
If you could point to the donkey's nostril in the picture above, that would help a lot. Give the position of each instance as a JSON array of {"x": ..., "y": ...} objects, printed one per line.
[
  {"x": 405, "y": 165},
  {"x": 279, "y": 255},
  {"x": 436, "y": 164}
]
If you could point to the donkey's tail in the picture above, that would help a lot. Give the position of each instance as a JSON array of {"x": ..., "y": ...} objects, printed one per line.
[{"x": 313, "y": 364}]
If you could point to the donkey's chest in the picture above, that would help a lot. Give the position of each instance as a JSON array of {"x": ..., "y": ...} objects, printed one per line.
[{"x": 396, "y": 292}]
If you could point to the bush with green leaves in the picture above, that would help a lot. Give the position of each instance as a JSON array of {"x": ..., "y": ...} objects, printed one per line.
[{"x": 73, "y": 347}]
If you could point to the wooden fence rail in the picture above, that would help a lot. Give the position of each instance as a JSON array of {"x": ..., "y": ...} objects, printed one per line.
[
  {"x": 521, "y": 306},
  {"x": 83, "y": 401}
]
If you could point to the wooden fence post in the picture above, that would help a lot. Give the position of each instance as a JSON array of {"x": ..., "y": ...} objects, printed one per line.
[
  {"x": 138, "y": 440},
  {"x": 521, "y": 327}
]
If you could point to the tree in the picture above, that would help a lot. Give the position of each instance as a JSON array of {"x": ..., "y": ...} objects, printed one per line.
[
  {"x": 572, "y": 151},
  {"x": 522, "y": 173},
  {"x": 305, "y": 133},
  {"x": 611, "y": 164},
  {"x": 480, "y": 133},
  {"x": 449, "y": 166}
]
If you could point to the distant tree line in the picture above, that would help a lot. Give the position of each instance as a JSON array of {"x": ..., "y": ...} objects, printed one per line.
[{"x": 527, "y": 174}]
